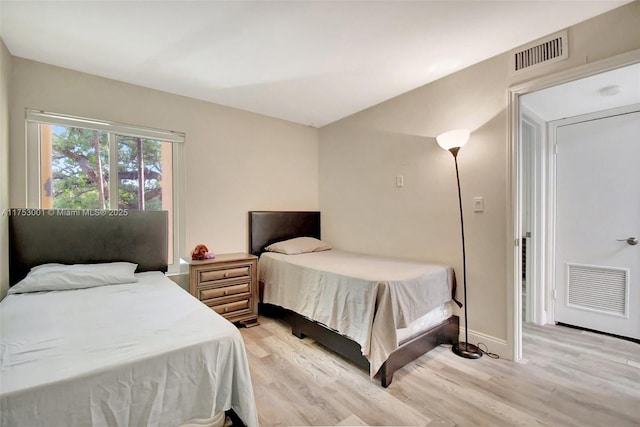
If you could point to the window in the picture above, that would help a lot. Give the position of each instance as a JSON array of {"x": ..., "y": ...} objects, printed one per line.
[{"x": 92, "y": 164}]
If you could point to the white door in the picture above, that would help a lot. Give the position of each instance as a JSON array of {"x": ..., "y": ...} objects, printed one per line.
[{"x": 597, "y": 209}]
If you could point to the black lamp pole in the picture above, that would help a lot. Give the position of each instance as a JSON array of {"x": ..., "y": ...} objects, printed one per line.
[{"x": 463, "y": 349}]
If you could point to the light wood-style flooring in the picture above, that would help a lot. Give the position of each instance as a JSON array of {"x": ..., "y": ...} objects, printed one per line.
[{"x": 569, "y": 378}]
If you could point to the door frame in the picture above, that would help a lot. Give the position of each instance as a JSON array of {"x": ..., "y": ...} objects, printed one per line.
[
  {"x": 535, "y": 158},
  {"x": 514, "y": 183}
]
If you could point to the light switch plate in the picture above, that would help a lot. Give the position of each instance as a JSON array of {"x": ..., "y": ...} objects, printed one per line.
[{"x": 478, "y": 204}]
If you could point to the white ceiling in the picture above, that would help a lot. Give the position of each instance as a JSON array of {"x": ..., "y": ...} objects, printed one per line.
[
  {"x": 604, "y": 91},
  {"x": 311, "y": 62}
]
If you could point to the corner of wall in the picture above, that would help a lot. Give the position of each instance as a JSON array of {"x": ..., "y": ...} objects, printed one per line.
[{"x": 5, "y": 77}]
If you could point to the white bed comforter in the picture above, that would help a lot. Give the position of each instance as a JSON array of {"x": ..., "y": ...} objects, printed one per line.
[
  {"x": 141, "y": 354},
  {"x": 363, "y": 297}
]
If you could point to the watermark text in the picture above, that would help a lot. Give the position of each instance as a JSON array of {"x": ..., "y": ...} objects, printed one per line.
[{"x": 63, "y": 212}]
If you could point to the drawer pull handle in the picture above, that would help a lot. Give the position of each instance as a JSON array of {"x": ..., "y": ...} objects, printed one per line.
[
  {"x": 226, "y": 274},
  {"x": 226, "y": 309},
  {"x": 226, "y": 292}
]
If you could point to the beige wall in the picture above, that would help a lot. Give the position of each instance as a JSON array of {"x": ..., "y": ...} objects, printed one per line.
[
  {"x": 5, "y": 76},
  {"x": 236, "y": 161},
  {"x": 360, "y": 156}
]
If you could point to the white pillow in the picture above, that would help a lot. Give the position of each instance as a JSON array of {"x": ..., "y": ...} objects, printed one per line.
[
  {"x": 58, "y": 277},
  {"x": 298, "y": 245}
]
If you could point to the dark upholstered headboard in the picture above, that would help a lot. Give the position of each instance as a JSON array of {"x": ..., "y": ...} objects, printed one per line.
[
  {"x": 267, "y": 227},
  {"x": 83, "y": 237}
]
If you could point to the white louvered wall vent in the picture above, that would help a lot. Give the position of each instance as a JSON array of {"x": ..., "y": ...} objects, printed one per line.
[
  {"x": 602, "y": 289},
  {"x": 541, "y": 52}
]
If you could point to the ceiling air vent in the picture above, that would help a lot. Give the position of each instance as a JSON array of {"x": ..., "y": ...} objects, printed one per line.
[{"x": 541, "y": 52}]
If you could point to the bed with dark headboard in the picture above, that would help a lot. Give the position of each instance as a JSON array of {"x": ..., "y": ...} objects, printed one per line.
[
  {"x": 86, "y": 236},
  {"x": 140, "y": 350},
  {"x": 267, "y": 227}
]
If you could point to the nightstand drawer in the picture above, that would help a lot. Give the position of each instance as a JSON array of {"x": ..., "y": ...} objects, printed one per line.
[
  {"x": 228, "y": 273},
  {"x": 206, "y": 294},
  {"x": 231, "y": 307}
]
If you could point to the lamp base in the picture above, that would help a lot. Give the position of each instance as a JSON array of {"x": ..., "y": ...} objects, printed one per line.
[{"x": 468, "y": 351}]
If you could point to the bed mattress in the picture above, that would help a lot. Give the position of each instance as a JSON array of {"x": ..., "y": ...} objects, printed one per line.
[
  {"x": 366, "y": 298},
  {"x": 145, "y": 353}
]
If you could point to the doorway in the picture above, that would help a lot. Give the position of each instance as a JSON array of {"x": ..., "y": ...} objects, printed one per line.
[
  {"x": 534, "y": 268},
  {"x": 532, "y": 136}
]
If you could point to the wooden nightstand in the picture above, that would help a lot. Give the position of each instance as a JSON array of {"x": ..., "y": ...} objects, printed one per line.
[{"x": 229, "y": 285}]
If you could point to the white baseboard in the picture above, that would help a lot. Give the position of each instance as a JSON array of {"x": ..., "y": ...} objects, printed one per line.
[{"x": 493, "y": 344}]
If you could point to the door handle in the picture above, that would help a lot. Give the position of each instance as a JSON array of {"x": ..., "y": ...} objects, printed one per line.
[{"x": 631, "y": 241}]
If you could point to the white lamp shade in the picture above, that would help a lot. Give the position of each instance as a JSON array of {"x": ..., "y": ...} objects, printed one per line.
[{"x": 453, "y": 138}]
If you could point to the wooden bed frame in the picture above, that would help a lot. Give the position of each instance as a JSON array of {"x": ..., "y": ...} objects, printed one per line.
[{"x": 266, "y": 227}]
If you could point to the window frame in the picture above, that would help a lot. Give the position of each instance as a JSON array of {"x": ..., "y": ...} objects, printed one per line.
[{"x": 32, "y": 170}]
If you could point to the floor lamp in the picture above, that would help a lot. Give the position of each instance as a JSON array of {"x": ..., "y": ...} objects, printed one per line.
[{"x": 453, "y": 141}]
